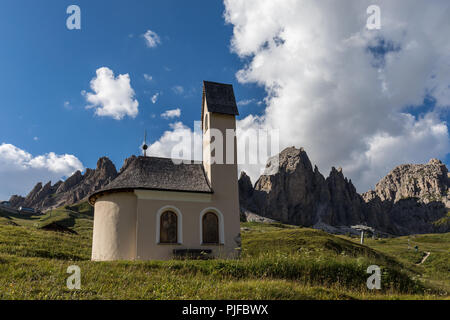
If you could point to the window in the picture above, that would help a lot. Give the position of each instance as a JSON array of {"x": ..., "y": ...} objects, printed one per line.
[
  {"x": 210, "y": 228},
  {"x": 168, "y": 230},
  {"x": 206, "y": 122},
  {"x": 169, "y": 226}
]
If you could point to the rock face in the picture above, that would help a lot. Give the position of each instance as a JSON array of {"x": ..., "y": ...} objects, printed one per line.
[
  {"x": 72, "y": 190},
  {"x": 411, "y": 198},
  {"x": 16, "y": 201},
  {"x": 406, "y": 201},
  {"x": 298, "y": 194},
  {"x": 427, "y": 182},
  {"x": 245, "y": 191}
]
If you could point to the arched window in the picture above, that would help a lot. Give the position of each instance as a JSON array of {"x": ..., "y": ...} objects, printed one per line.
[
  {"x": 210, "y": 228},
  {"x": 168, "y": 229}
]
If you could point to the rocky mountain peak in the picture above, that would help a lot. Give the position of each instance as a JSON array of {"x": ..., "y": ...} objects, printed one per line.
[
  {"x": 106, "y": 165},
  {"x": 245, "y": 189},
  {"x": 337, "y": 172},
  {"x": 70, "y": 182},
  {"x": 435, "y": 161},
  {"x": 245, "y": 178},
  {"x": 298, "y": 193},
  {"x": 75, "y": 188},
  {"x": 427, "y": 182},
  {"x": 408, "y": 200},
  {"x": 106, "y": 171},
  {"x": 292, "y": 159}
]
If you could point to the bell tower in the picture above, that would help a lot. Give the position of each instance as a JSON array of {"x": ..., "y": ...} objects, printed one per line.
[{"x": 219, "y": 111}]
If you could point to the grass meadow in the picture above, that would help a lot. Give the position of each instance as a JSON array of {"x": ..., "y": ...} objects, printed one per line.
[{"x": 277, "y": 262}]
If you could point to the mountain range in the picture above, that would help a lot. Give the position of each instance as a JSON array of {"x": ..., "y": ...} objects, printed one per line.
[
  {"x": 412, "y": 198},
  {"x": 75, "y": 189}
]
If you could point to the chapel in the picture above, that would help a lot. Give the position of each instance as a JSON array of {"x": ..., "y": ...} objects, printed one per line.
[{"x": 162, "y": 208}]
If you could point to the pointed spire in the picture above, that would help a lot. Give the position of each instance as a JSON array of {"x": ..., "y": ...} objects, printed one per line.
[{"x": 145, "y": 146}]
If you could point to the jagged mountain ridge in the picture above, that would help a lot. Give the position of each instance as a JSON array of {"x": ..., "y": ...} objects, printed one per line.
[
  {"x": 408, "y": 200},
  {"x": 76, "y": 188},
  {"x": 428, "y": 182},
  {"x": 298, "y": 188}
]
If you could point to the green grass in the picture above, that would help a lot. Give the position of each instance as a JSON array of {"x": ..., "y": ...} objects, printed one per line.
[
  {"x": 435, "y": 271},
  {"x": 444, "y": 221},
  {"x": 76, "y": 217},
  {"x": 277, "y": 262}
]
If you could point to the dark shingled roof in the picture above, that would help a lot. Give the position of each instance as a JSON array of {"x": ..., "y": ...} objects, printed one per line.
[
  {"x": 220, "y": 98},
  {"x": 154, "y": 173}
]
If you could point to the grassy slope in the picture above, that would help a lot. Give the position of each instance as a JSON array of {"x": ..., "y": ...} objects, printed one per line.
[
  {"x": 278, "y": 262},
  {"x": 435, "y": 271}
]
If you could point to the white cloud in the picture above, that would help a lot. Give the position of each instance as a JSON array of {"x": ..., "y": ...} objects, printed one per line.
[
  {"x": 35, "y": 138},
  {"x": 328, "y": 92},
  {"x": 180, "y": 142},
  {"x": 148, "y": 77},
  {"x": 178, "y": 89},
  {"x": 155, "y": 97},
  {"x": 151, "y": 39},
  {"x": 246, "y": 102},
  {"x": 112, "y": 96},
  {"x": 427, "y": 133},
  {"x": 174, "y": 113},
  {"x": 22, "y": 171},
  {"x": 67, "y": 105},
  {"x": 181, "y": 137}
]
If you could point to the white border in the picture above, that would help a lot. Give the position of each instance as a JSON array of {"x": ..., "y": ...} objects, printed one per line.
[
  {"x": 179, "y": 224},
  {"x": 221, "y": 225}
]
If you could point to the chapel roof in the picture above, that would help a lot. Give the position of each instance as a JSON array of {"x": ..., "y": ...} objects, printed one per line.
[{"x": 153, "y": 173}]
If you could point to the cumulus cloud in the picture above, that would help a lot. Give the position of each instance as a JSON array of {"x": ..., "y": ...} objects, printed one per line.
[
  {"x": 155, "y": 97},
  {"x": 426, "y": 133},
  {"x": 112, "y": 96},
  {"x": 151, "y": 39},
  {"x": 148, "y": 77},
  {"x": 180, "y": 142},
  {"x": 342, "y": 91},
  {"x": 20, "y": 171},
  {"x": 169, "y": 114}
]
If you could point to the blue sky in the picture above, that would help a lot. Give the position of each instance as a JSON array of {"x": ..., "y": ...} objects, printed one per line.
[
  {"x": 364, "y": 100},
  {"x": 45, "y": 65}
]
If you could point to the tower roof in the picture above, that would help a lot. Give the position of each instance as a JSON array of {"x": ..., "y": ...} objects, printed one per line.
[
  {"x": 152, "y": 173},
  {"x": 219, "y": 98}
]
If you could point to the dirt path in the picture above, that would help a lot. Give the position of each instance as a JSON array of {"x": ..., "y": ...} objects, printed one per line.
[{"x": 424, "y": 258}]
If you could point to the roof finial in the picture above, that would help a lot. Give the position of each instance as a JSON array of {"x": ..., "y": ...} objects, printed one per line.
[{"x": 145, "y": 146}]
